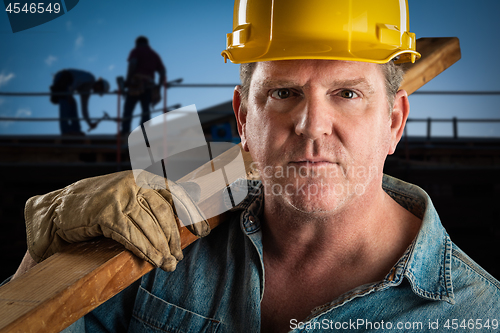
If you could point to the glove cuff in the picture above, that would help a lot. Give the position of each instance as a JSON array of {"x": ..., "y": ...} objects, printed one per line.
[{"x": 30, "y": 233}]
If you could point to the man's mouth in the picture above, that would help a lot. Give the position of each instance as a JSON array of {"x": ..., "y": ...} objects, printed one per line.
[{"x": 312, "y": 163}]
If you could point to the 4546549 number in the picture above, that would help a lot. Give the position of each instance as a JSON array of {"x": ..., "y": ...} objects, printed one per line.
[
  {"x": 471, "y": 324},
  {"x": 33, "y": 8}
]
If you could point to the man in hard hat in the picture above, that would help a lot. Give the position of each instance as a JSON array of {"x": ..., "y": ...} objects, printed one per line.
[
  {"x": 65, "y": 83},
  {"x": 143, "y": 63},
  {"x": 324, "y": 241}
]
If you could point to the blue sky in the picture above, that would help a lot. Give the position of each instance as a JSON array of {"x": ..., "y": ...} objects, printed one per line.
[{"x": 97, "y": 36}]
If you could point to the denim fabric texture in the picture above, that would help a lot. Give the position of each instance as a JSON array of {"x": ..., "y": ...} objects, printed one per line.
[{"x": 219, "y": 284}]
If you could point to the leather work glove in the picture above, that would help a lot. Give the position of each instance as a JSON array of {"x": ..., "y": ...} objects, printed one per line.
[{"x": 140, "y": 216}]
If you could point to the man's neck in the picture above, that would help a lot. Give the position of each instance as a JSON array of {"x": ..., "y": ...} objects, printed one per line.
[
  {"x": 311, "y": 261},
  {"x": 353, "y": 231}
]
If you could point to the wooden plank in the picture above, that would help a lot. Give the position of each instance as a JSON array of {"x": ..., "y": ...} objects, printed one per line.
[
  {"x": 51, "y": 296},
  {"x": 57, "y": 292},
  {"x": 437, "y": 55},
  {"x": 69, "y": 284}
]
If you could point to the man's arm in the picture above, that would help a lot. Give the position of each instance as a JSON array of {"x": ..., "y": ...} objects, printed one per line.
[
  {"x": 132, "y": 67},
  {"x": 162, "y": 71},
  {"x": 163, "y": 77},
  {"x": 84, "y": 100}
]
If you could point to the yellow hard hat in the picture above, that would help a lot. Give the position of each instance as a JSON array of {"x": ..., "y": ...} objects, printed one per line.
[{"x": 357, "y": 30}]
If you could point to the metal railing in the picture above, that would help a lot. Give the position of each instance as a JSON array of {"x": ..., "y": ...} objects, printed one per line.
[
  {"x": 118, "y": 119},
  {"x": 454, "y": 121}
]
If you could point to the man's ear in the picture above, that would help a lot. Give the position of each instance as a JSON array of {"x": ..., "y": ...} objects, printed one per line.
[
  {"x": 400, "y": 112},
  {"x": 240, "y": 113}
]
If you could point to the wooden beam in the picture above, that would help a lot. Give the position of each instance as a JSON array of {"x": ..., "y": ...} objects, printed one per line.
[
  {"x": 437, "y": 55},
  {"x": 68, "y": 285}
]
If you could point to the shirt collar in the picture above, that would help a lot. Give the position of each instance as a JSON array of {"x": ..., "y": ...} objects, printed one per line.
[
  {"x": 427, "y": 261},
  {"x": 252, "y": 205}
]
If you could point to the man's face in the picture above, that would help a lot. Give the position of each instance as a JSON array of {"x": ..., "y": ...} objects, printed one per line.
[{"x": 318, "y": 130}]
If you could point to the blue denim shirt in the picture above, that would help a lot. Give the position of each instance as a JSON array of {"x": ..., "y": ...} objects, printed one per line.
[{"x": 218, "y": 287}]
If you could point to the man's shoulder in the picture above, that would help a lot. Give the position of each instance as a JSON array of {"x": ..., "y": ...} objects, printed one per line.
[
  {"x": 231, "y": 235},
  {"x": 143, "y": 51},
  {"x": 463, "y": 265},
  {"x": 79, "y": 72},
  {"x": 135, "y": 52},
  {"x": 473, "y": 286},
  {"x": 81, "y": 79},
  {"x": 227, "y": 231}
]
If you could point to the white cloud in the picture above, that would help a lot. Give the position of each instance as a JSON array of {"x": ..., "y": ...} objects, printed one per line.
[
  {"x": 23, "y": 113},
  {"x": 5, "y": 78},
  {"x": 79, "y": 42},
  {"x": 50, "y": 60},
  {"x": 111, "y": 67},
  {"x": 20, "y": 113}
]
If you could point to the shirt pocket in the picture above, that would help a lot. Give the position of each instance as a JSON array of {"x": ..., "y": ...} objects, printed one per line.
[{"x": 152, "y": 314}]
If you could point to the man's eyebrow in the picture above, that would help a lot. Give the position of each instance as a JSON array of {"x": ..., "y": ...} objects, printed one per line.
[
  {"x": 355, "y": 82},
  {"x": 278, "y": 83}
]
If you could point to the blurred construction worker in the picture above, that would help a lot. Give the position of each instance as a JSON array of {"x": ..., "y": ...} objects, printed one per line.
[
  {"x": 143, "y": 63},
  {"x": 65, "y": 83},
  {"x": 324, "y": 241}
]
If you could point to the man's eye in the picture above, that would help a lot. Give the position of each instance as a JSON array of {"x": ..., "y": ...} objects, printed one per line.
[
  {"x": 281, "y": 93},
  {"x": 348, "y": 94}
]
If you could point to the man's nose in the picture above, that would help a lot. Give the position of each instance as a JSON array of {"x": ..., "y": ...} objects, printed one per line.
[{"x": 315, "y": 119}]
